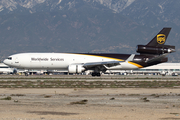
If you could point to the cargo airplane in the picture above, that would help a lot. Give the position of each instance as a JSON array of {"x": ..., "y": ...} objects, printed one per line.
[{"x": 154, "y": 52}]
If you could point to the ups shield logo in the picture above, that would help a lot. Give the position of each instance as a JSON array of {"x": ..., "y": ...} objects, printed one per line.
[{"x": 161, "y": 38}]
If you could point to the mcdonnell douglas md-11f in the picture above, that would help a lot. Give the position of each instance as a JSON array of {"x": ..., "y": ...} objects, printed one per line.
[{"x": 154, "y": 52}]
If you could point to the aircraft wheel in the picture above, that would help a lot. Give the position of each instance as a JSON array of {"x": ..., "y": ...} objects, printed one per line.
[
  {"x": 93, "y": 74},
  {"x": 96, "y": 74}
]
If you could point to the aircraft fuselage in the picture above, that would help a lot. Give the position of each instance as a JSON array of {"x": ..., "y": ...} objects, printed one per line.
[{"x": 61, "y": 61}]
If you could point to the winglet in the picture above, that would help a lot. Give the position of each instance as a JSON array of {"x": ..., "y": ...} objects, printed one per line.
[{"x": 130, "y": 58}]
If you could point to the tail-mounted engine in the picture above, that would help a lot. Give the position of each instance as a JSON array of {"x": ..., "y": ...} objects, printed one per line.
[{"x": 144, "y": 49}]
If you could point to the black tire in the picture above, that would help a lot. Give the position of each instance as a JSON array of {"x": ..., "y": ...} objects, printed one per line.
[
  {"x": 93, "y": 74},
  {"x": 98, "y": 74}
]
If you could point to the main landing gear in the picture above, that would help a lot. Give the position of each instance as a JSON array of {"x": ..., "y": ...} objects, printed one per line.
[
  {"x": 96, "y": 74},
  {"x": 26, "y": 73}
]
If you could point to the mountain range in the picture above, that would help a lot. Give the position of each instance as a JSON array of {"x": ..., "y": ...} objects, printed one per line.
[{"x": 96, "y": 26}]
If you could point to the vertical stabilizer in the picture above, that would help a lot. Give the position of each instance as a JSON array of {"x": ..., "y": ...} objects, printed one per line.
[{"x": 160, "y": 38}]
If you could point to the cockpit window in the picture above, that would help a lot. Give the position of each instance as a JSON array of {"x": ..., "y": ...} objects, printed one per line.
[{"x": 9, "y": 58}]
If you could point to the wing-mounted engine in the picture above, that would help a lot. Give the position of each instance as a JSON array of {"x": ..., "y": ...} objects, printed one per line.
[
  {"x": 155, "y": 50},
  {"x": 76, "y": 68}
]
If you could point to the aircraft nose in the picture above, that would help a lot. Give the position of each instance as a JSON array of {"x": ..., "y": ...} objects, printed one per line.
[{"x": 5, "y": 61}]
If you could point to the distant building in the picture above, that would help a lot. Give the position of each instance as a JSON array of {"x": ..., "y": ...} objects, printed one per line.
[{"x": 163, "y": 68}]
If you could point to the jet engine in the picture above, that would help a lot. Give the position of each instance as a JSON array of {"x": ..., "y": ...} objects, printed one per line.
[
  {"x": 143, "y": 49},
  {"x": 75, "y": 68}
]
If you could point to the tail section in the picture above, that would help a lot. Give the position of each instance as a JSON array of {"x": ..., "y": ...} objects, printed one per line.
[
  {"x": 156, "y": 45},
  {"x": 160, "y": 38}
]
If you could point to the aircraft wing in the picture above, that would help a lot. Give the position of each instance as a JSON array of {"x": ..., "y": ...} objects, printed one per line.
[
  {"x": 104, "y": 64},
  {"x": 107, "y": 63}
]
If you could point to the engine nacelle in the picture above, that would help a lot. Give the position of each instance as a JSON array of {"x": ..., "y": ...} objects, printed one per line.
[
  {"x": 75, "y": 68},
  {"x": 155, "y": 50}
]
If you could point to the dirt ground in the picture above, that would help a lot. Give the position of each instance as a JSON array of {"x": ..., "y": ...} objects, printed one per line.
[{"x": 90, "y": 104}]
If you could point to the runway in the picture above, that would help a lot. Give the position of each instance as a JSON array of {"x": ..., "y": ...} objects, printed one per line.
[
  {"x": 77, "y": 81},
  {"x": 90, "y": 78}
]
